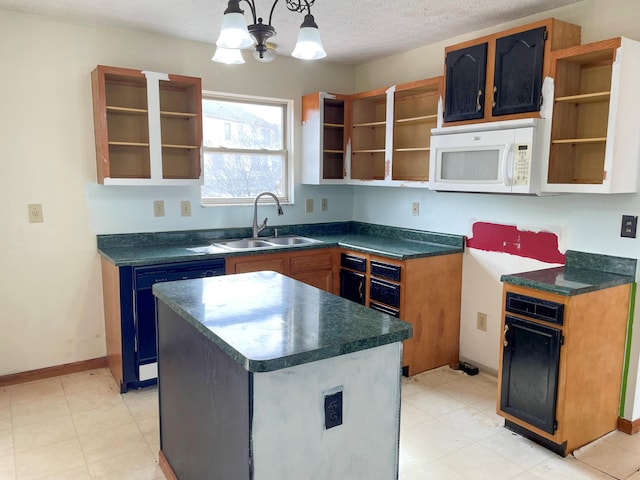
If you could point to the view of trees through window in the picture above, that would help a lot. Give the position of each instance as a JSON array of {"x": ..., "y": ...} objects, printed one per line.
[{"x": 244, "y": 149}]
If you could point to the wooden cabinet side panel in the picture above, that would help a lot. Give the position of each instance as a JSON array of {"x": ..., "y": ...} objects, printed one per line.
[
  {"x": 100, "y": 124},
  {"x": 433, "y": 308},
  {"x": 112, "y": 320},
  {"x": 595, "y": 336}
]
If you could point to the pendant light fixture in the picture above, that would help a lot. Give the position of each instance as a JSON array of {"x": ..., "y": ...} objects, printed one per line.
[{"x": 235, "y": 34}]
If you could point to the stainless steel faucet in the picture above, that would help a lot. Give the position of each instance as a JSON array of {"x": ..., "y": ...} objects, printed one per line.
[{"x": 258, "y": 228}]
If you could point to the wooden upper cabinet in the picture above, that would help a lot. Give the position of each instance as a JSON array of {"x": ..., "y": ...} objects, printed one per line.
[
  {"x": 324, "y": 136},
  {"x": 148, "y": 127},
  {"x": 505, "y": 82},
  {"x": 517, "y": 78},
  {"x": 594, "y": 144},
  {"x": 465, "y": 83}
]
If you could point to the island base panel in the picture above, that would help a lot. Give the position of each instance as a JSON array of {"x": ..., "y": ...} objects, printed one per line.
[{"x": 204, "y": 411}]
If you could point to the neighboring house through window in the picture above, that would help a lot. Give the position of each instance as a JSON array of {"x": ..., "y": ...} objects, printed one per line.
[{"x": 246, "y": 148}]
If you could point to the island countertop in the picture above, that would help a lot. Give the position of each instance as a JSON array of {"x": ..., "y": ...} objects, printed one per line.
[{"x": 266, "y": 321}]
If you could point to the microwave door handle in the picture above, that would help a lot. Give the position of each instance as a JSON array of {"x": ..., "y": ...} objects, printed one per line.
[{"x": 508, "y": 148}]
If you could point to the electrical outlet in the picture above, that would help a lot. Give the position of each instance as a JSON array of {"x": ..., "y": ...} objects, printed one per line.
[
  {"x": 333, "y": 410},
  {"x": 158, "y": 208},
  {"x": 309, "y": 205},
  {"x": 324, "y": 205},
  {"x": 415, "y": 209},
  {"x": 629, "y": 226},
  {"x": 482, "y": 321},
  {"x": 185, "y": 208},
  {"x": 35, "y": 213}
]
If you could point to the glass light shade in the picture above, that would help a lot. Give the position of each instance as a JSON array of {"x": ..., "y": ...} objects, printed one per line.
[
  {"x": 269, "y": 56},
  {"x": 234, "y": 32},
  {"x": 309, "y": 45},
  {"x": 230, "y": 56}
]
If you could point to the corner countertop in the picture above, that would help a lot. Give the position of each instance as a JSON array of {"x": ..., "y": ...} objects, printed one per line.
[
  {"x": 583, "y": 273},
  {"x": 266, "y": 321},
  {"x": 165, "y": 247}
]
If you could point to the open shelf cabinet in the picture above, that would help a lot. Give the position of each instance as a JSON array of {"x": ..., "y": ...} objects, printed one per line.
[
  {"x": 324, "y": 116},
  {"x": 594, "y": 144},
  {"x": 416, "y": 110},
  {"x": 369, "y": 135},
  {"x": 148, "y": 127}
]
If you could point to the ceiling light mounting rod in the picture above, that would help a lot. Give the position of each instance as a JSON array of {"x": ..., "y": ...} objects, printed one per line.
[{"x": 235, "y": 34}]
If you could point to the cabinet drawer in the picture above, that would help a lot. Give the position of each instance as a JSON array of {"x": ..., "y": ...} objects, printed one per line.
[
  {"x": 394, "y": 312},
  {"x": 535, "y": 308},
  {"x": 385, "y": 270},
  {"x": 385, "y": 292},
  {"x": 353, "y": 262},
  {"x": 313, "y": 262}
]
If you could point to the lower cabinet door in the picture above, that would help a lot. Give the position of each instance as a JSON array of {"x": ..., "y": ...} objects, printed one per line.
[
  {"x": 352, "y": 286},
  {"x": 530, "y": 364}
]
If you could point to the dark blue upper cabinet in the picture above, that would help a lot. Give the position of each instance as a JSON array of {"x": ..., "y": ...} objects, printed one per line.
[
  {"x": 517, "y": 81},
  {"x": 465, "y": 83}
]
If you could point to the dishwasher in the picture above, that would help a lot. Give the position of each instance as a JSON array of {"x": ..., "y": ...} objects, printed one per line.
[{"x": 146, "y": 367}]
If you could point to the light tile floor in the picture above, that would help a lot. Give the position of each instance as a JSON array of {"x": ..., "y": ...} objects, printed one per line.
[{"x": 78, "y": 427}]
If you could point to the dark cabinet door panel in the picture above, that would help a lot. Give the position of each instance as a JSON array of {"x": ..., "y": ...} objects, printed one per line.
[
  {"x": 465, "y": 83},
  {"x": 530, "y": 364},
  {"x": 352, "y": 286},
  {"x": 518, "y": 72}
]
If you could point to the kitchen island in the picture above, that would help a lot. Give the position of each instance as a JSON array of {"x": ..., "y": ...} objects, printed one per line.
[{"x": 263, "y": 377}]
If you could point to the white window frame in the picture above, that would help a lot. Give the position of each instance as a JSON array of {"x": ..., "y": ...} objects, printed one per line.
[{"x": 287, "y": 152}]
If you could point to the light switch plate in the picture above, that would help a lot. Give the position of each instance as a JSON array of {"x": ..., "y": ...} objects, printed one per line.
[
  {"x": 309, "y": 205},
  {"x": 185, "y": 208}
]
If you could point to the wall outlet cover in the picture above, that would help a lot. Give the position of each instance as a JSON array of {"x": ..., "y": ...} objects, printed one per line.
[
  {"x": 158, "y": 208},
  {"x": 333, "y": 410},
  {"x": 415, "y": 209},
  {"x": 185, "y": 208},
  {"x": 309, "y": 205},
  {"x": 324, "y": 205},
  {"x": 35, "y": 213}
]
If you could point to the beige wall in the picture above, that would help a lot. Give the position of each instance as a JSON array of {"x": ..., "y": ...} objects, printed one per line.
[{"x": 50, "y": 295}]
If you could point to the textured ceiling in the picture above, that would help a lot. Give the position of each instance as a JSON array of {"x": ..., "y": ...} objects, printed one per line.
[{"x": 353, "y": 31}]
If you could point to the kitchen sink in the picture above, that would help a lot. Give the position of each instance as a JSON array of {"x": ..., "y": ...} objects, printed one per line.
[
  {"x": 290, "y": 240},
  {"x": 265, "y": 242},
  {"x": 243, "y": 243}
]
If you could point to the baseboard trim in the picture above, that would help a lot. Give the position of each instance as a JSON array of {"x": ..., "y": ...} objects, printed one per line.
[
  {"x": 55, "y": 371},
  {"x": 629, "y": 427},
  {"x": 165, "y": 467}
]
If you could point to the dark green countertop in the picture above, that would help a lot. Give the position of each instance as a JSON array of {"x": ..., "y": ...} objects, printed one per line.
[
  {"x": 167, "y": 247},
  {"x": 266, "y": 321},
  {"x": 583, "y": 273}
]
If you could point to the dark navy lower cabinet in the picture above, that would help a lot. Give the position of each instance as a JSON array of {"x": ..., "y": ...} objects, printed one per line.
[{"x": 530, "y": 366}]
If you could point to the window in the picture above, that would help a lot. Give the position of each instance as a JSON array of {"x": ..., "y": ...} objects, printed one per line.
[{"x": 246, "y": 144}]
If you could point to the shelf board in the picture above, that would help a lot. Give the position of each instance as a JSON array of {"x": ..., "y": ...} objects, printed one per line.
[
  {"x": 185, "y": 147},
  {"x": 408, "y": 178},
  {"x": 413, "y": 149},
  {"x": 137, "y": 111},
  {"x": 580, "y": 140},
  {"x": 370, "y": 124},
  {"x": 379, "y": 150},
  {"x": 415, "y": 120},
  {"x": 334, "y": 125},
  {"x": 333, "y": 151},
  {"x": 129, "y": 144},
  {"x": 585, "y": 98},
  {"x": 177, "y": 114}
]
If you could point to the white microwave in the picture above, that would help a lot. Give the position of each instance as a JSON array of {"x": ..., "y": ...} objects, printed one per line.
[{"x": 496, "y": 157}]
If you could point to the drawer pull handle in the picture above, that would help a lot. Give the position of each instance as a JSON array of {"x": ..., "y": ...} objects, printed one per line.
[
  {"x": 505, "y": 342},
  {"x": 360, "y": 289},
  {"x": 478, "y": 106}
]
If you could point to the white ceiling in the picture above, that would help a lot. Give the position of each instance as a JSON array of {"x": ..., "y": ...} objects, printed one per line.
[{"x": 353, "y": 31}]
